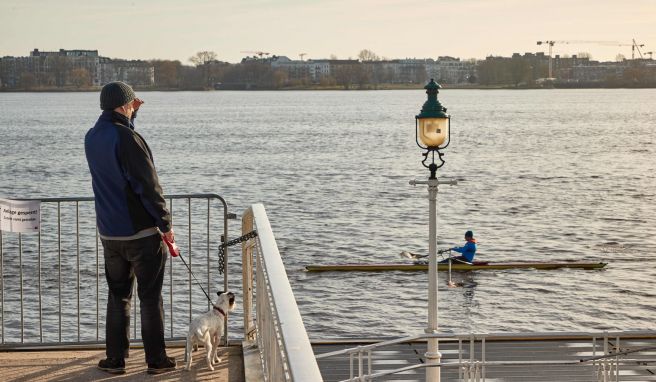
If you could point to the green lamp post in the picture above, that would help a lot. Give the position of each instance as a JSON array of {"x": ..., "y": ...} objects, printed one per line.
[{"x": 432, "y": 134}]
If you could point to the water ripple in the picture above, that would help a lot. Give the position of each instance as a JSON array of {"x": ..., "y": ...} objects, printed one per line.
[{"x": 531, "y": 187}]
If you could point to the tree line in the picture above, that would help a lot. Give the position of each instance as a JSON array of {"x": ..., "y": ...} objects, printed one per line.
[
  {"x": 529, "y": 71},
  {"x": 368, "y": 71},
  {"x": 256, "y": 73}
]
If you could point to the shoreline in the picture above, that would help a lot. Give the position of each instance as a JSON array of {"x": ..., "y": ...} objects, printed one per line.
[
  {"x": 327, "y": 88},
  {"x": 335, "y": 88}
]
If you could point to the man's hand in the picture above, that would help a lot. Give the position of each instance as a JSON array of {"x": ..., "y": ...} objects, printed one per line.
[
  {"x": 169, "y": 236},
  {"x": 137, "y": 103}
]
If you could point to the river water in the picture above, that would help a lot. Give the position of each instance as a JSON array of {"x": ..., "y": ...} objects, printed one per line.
[{"x": 545, "y": 175}]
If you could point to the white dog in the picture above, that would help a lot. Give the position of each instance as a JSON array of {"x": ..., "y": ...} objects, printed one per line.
[{"x": 208, "y": 328}]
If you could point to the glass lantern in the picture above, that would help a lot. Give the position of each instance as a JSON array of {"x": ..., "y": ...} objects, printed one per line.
[{"x": 433, "y": 121}]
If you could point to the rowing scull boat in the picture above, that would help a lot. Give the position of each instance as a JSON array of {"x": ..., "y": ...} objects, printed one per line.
[{"x": 476, "y": 266}]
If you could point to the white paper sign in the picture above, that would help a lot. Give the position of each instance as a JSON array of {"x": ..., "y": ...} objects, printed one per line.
[{"x": 20, "y": 216}]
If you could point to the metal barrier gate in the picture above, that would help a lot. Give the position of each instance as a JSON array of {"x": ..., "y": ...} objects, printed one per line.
[{"x": 50, "y": 288}]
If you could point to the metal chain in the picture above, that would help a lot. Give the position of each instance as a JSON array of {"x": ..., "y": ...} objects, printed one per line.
[{"x": 230, "y": 243}]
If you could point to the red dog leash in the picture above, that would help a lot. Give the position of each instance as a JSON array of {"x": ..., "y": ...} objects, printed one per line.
[
  {"x": 175, "y": 252},
  {"x": 173, "y": 248}
]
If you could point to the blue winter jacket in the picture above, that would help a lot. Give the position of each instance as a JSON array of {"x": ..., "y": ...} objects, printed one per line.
[
  {"x": 468, "y": 251},
  {"x": 128, "y": 195}
]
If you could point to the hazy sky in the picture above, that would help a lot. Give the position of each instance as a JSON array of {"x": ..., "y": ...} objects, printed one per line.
[{"x": 176, "y": 29}]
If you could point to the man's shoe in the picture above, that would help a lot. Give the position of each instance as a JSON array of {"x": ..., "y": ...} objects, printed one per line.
[
  {"x": 165, "y": 365},
  {"x": 112, "y": 365}
]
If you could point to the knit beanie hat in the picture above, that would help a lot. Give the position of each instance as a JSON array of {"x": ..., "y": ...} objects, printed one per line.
[{"x": 115, "y": 94}]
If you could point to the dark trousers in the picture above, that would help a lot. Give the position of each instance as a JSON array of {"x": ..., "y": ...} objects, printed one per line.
[{"x": 144, "y": 258}]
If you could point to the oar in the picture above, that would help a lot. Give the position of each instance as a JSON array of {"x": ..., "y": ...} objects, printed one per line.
[
  {"x": 450, "y": 282},
  {"x": 412, "y": 256},
  {"x": 415, "y": 256}
]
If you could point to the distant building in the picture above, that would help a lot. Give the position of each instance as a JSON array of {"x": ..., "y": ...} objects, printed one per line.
[
  {"x": 65, "y": 53},
  {"x": 314, "y": 70},
  {"x": 564, "y": 66},
  {"x": 59, "y": 67},
  {"x": 595, "y": 71},
  {"x": 411, "y": 70},
  {"x": 296, "y": 70},
  {"x": 451, "y": 70},
  {"x": 136, "y": 73},
  {"x": 447, "y": 69},
  {"x": 319, "y": 69},
  {"x": 66, "y": 68}
]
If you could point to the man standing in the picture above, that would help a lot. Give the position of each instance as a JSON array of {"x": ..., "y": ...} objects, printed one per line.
[{"x": 131, "y": 213}]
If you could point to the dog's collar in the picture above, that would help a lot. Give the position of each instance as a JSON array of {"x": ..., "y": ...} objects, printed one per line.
[{"x": 220, "y": 310}]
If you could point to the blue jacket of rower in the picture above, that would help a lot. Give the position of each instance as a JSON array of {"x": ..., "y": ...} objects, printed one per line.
[{"x": 468, "y": 251}]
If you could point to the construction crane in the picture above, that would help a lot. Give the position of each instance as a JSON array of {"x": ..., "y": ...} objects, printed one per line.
[
  {"x": 259, "y": 53},
  {"x": 301, "y": 55},
  {"x": 634, "y": 46},
  {"x": 551, "y": 44}
]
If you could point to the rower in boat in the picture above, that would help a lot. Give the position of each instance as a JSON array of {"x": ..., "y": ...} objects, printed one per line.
[
  {"x": 468, "y": 251},
  {"x": 461, "y": 263}
]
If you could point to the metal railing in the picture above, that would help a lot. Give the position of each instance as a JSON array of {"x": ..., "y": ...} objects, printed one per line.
[
  {"x": 285, "y": 350},
  {"x": 51, "y": 291},
  {"x": 604, "y": 355}
]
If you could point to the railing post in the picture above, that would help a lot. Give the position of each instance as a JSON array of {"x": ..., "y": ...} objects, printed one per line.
[
  {"x": 2, "y": 290},
  {"x": 360, "y": 364},
  {"x": 594, "y": 350},
  {"x": 483, "y": 358},
  {"x": 247, "y": 277},
  {"x": 472, "y": 349},
  {"x": 209, "y": 268},
  {"x": 225, "y": 261},
  {"x": 39, "y": 282},
  {"x": 617, "y": 359},
  {"x": 608, "y": 365},
  {"x": 189, "y": 255},
  {"x": 77, "y": 262},
  {"x": 369, "y": 362},
  {"x": 20, "y": 270},
  {"x": 171, "y": 277},
  {"x": 460, "y": 368},
  {"x": 351, "y": 356},
  {"x": 59, "y": 267}
]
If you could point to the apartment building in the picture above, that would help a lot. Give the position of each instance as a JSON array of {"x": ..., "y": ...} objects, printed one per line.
[{"x": 66, "y": 68}]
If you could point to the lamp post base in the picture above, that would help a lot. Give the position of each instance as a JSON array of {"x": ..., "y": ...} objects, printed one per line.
[{"x": 433, "y": 360}]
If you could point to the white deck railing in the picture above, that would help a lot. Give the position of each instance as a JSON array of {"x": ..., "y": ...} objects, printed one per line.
[
  {"x": 277, "y": 328},
  {"x": 607, "y": 355}
]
